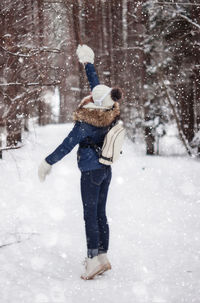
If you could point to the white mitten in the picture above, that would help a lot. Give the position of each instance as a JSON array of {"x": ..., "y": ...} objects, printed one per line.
[
  {"x": 85, "y": 54},
  {"x": 43, "y": 170}
]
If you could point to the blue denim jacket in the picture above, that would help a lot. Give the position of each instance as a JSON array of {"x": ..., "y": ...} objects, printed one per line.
[
  {"x": 91, "y": 75},
  {"x": 87, "y": 157}
]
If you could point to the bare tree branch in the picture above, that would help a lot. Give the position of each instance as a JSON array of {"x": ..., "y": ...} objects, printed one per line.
[
  {"x": 175, "y": 3},
  {"x": 185, "y": 17},
  {"x": 19, "y": 240},
  {"x": 52, "y": 1},
  {"x": 30, "y": 84},
  {"x": 11, "y": 147},
  {"x": 190, "y": 21},
  {"x": 11, "y": 243},
  {"x": 31, "y": 52}
]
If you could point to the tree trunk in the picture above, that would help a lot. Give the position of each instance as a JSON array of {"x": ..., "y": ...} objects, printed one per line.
[{"x": 150, "y": 140}]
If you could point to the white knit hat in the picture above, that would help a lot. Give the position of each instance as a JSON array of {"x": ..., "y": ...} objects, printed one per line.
[{"x": 101, "y": 97}]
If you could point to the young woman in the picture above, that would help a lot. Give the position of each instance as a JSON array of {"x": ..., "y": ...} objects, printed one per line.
[{"x": 93, "y": 118}]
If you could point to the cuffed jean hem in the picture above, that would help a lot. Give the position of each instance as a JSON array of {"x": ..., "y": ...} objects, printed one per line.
[
  {"x": 102, "y": 251},
  {"x": 92, "y": 253}
]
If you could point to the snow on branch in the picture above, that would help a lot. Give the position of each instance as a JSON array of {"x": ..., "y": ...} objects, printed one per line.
[
  {"x": 31, "y": 53},
  {"x": 128, "y": 48},
  {"x": 11, "y": 147},
  {"x": 52, "y": 1},
  {"x": 30, "y": 84},
  {"x": 12, "y": 108},
  {"x": 189, "y": 20},
  {"x": 175, "y": 3},
  {"x": 183, "y": 16}
]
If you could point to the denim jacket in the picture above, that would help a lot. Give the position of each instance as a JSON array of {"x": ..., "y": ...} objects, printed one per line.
[{"x": 88, "y": 123}]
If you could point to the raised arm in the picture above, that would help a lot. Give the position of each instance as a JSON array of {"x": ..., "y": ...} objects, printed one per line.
[
  {"x": 86, "y": 56},
  {"x": 91, "y": 75}
]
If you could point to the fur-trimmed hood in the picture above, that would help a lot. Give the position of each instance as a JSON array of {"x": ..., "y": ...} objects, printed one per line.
[{"x": 97, "y": 117}]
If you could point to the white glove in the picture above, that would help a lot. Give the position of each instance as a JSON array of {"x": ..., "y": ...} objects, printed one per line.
[
  {"x": 85, "y": 54},
  {"x": 43, "y": 170}
]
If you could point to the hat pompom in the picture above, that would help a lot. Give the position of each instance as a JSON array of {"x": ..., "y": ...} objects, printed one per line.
[{"x": 116, "y": 94}]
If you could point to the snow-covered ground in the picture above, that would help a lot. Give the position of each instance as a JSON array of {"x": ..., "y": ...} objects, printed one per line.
[{"x": 154, "y": 214}]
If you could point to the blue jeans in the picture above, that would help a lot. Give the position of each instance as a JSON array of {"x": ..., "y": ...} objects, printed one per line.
[{"x": 94, "y": 191}]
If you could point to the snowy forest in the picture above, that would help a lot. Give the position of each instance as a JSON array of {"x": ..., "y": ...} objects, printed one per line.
[{"x": 149, "y": 48}]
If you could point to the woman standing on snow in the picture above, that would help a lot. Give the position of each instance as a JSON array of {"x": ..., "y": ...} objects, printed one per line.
[{"x": 93, "y": 118}]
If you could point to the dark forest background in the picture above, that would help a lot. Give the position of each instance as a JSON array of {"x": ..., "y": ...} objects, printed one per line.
[{"x": 149, "y": 48}]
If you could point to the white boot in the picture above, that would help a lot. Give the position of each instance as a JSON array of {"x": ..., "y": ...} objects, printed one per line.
[
  {"x": 93, "y": 267},
  {"x": 103, "y": 259}
]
